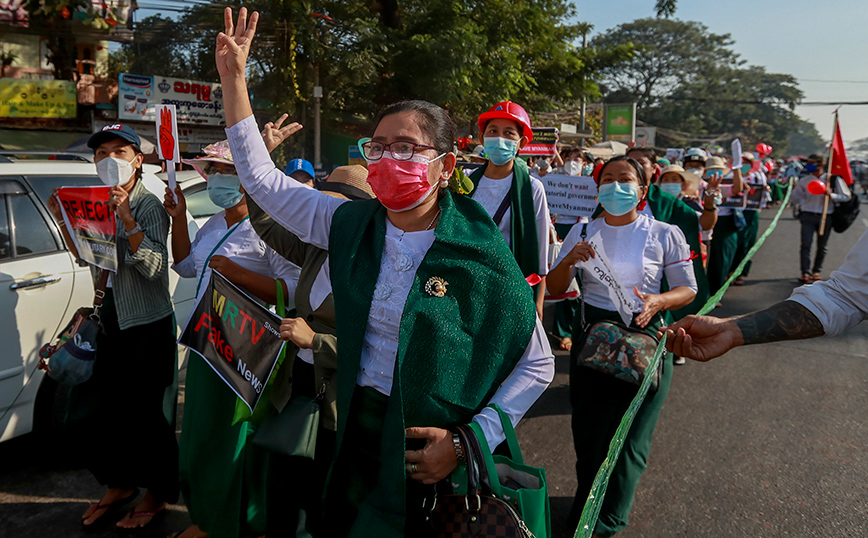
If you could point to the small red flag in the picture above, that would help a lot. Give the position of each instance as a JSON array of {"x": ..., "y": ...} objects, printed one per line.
[{"x": 840, "y": 164}]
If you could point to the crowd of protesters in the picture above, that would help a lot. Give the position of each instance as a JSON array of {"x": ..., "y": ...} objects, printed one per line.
[{"x": 361, "y": 259}]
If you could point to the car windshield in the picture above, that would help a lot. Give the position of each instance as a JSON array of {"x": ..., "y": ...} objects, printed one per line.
[{"x": 44, "y": 184}]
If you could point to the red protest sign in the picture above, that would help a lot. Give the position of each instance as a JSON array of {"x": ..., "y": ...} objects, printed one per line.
[
  {"x": 167, "y": 133},
  {"x": 88, "y": 216}
]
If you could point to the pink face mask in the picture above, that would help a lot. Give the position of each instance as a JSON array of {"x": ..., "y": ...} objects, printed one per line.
[{"x": 401, "y": 185}]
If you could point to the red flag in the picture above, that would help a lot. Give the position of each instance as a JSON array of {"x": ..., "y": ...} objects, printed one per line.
[{"x": 840, "y": 164}]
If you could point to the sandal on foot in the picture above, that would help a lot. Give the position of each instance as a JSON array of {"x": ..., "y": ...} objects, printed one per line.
[
  {"x": 806, "y": 277},
  {"x": 133, "y": 513},
  {"x": 815, "y": 277},
  {"x": 109, "y": 507},
  {"x": 739, "y": 281},
  {"x": 566, "y": 343}
]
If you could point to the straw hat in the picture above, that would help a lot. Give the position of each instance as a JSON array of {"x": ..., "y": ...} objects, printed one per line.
[
  {"x": 348, "y": 183},
  {"x": 716, "y": 163},
  {"x": 215, "y": 153},
  {"x": 689, "y": 177}
]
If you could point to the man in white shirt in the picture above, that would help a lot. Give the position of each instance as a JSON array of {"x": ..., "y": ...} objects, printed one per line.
[
  {"x": 811, "y": 214},
  {"x": 821, "y": 309}
]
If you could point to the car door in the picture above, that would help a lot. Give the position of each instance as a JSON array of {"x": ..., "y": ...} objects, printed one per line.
[{"x": 36, "y": 282}]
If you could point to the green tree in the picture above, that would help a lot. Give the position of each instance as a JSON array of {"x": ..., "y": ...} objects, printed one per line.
[
  {"x": 668, "y": 53},
  {"x": 665, "y": 8},
  {"x": 690, "y": 82},
  {"x": 464, "y": 56},
  {"x": 857, "y": 150},
  {"x": 158, "y": 48}
]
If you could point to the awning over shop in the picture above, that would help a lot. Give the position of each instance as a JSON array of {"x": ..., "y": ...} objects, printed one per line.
[{"x": 24, "y": 139}]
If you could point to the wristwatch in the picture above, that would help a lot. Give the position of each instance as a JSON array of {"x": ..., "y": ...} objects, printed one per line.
[
  {"x": 459, "y": 448},
  {"x": 134, "y": 231}
]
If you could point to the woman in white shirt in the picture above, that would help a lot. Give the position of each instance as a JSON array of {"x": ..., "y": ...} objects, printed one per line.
[
  {"x": 222, "y": 475},
  {"x": 419, "y": 351},
  {"x": 640, "y": 251}
]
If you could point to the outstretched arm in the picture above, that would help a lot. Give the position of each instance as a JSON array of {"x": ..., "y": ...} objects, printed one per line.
[
  {"x": 305, "y": 212},
  {"x": 703, "y": 338}
]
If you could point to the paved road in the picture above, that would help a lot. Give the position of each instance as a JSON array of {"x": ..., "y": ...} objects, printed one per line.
[{"x": 767, "y": 441}]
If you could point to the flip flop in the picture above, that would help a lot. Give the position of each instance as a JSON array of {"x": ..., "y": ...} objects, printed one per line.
[
  {"x": 110, "y": 507},
  {"x": 815, "y": 277},
  {"x": 805, "y": 278},
  {"x": 133, "y": 513}
]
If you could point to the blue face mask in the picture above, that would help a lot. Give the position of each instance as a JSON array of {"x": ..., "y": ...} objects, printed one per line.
[
  {"x": 223, "y": 190},
  {"x": 671, "y": 188},
  {"x": 811, "y": 168},
  {"x": 588, "y": 170},
  {"x": 500, "y": 150},
  {"x": 618, "y": 198}
]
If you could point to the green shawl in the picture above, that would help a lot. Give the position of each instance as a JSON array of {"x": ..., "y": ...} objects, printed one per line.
[
  {"x": 524, "y": 241},
  {"x": 669, "y": 209},
  {"x": 453, "y": 352}
]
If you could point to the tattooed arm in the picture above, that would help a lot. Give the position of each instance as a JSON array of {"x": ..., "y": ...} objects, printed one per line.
[
  {"x": 703, "y": 338},
  {"x": 787, "y": 320}
]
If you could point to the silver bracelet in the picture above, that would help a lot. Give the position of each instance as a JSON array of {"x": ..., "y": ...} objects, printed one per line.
[{"x": 134, "y": 231}]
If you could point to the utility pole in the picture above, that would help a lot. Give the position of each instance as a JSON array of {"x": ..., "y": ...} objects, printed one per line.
[
  {"x": 584, "y": 45},
  {"x": 317, "y": 132}
]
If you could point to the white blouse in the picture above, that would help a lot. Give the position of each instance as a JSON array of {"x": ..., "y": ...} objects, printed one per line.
[
  {"x": 640, "y": 254},
  {"x": 308, "y": 214},
  {"x": 243, "y": 247},
  {"x": 490, "y": 194}
]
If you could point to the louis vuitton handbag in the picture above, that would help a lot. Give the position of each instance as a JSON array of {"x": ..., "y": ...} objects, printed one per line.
[{"x": 504, "y": 496}]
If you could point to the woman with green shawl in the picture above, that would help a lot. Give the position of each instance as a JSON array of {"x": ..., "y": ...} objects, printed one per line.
[{"x": 421, "y": 280}]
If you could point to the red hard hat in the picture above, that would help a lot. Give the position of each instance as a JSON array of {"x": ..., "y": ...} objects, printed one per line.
[{"x": 509, "y": 111}]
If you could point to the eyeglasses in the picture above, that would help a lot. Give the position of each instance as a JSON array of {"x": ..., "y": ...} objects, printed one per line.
[{"x": 400, "y": 150}]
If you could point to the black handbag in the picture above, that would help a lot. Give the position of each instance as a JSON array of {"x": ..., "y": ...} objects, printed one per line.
[
  {"x": 844, "y": 213},
  {"x": 69, "y": 359},
  {"x": 478, "y": 514}
]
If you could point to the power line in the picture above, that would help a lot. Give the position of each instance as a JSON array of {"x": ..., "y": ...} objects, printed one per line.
[{"x": 833, "y": 81}]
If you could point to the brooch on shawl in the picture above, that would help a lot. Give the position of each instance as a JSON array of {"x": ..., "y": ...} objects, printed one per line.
[{"x": 436, "y": 286}]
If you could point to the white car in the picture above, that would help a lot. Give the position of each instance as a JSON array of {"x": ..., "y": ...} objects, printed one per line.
[{"x": 40, "y": 283}]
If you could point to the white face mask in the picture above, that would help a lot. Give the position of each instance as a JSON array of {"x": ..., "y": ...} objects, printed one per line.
[
  {"x": 573, "y": 168},
  {"x": 113, "y": 171}
]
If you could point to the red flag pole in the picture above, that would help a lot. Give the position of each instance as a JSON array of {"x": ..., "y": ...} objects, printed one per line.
[{"x": 829, "y": 176}]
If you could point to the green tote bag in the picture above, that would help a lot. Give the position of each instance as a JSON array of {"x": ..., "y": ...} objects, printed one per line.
[{"x": 521, "y": 485}]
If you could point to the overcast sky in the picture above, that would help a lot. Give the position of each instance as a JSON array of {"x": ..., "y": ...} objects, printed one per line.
[{"x": 813, "y": 41}]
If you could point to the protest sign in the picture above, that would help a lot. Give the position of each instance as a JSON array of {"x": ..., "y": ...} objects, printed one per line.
[
  {"x": 755, "y": 198},
  {"x": 735, "y": 201},
  {"x": 570, "y": 196},
  {"x": 600, "y": 268},
  {"x": 237, "y": 337},
  {"x": 91, "y": 222},
  {"x": 674, "y": 154},
  {"x": 544, "y": 142},
  {"x": 167, "y": 148},
  {"x": 736, "y": 152}
]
